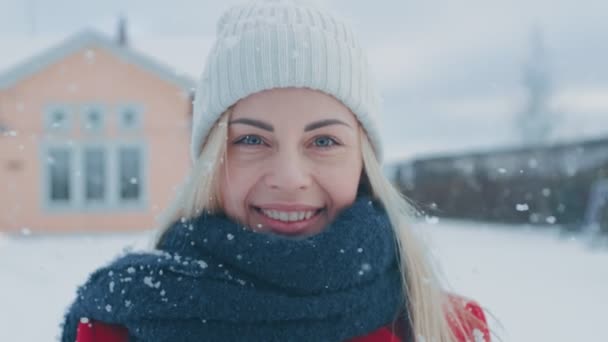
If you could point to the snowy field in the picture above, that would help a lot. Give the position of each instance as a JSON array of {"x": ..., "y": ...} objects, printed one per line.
[{"x": 540, "y": 286}]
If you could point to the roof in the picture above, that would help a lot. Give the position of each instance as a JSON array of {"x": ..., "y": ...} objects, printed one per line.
[
  {"x": 88, "y": 39},
  {"x": 585, "y": 143}
]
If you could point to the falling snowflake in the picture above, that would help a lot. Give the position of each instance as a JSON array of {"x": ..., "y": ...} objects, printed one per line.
[
  {"x": 150, "y": 282},
  {"x": 89, "y": 55}
]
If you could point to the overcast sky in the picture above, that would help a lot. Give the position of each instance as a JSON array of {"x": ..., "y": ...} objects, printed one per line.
[{"x": 450, "y": 72}]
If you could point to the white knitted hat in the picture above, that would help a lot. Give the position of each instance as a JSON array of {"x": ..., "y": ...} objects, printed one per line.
[{"x": 269, "y": 44}]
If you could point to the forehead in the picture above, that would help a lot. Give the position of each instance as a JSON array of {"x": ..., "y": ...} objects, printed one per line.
[{"x": 292, "y": 105}]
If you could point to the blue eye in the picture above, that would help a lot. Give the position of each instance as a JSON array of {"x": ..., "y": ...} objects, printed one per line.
[
  {"x": 324, "y": 142},
  {"x": 250, "y": 140}
]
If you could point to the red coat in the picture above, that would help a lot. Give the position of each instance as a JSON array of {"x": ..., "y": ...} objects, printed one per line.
[{"x": 96, "y": 331}]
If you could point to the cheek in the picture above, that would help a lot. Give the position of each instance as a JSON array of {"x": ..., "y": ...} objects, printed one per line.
[
  {"x": 340, "y": 182},
  {"x": 234, "y": 187},
  {"x": 232, "y": 194}
]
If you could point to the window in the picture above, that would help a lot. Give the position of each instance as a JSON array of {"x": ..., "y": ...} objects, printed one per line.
[
  {"x": 129, "y": 118},
  {"x": 59, "y": 166},
  {"x": 92, "y": 119},
  {"x": 58, "y": 119},
  {"x": 94, "y": 174},
  {"x": 130, "y": 173}
]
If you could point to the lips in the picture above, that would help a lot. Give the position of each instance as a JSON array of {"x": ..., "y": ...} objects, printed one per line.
[{"x": 288, "y": 222}]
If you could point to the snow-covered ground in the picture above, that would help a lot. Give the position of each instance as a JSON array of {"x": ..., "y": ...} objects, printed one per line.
[{"x": 539, "y": 285}]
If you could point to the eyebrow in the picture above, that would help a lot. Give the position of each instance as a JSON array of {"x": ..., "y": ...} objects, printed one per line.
[
  {"x": 254, "y": 122},
  {"x": 268, "y": 127},
  {"x": 323, "y": 123}
]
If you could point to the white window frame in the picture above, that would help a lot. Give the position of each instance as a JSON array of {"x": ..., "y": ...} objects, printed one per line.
[
  {"x": 95, "y": 204},
  {"x": 49, "y": 112},
  {"x": 137, "y": 110},
  {"x": 85, "y": 110},
  {"x": 142, "y": 201},
  {"x": 47, "y": 203},
  {"x": 77, "y": 202}
]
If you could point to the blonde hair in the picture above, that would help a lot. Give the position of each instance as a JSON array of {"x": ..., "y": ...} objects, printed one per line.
[{"x": 428, "y": 306}]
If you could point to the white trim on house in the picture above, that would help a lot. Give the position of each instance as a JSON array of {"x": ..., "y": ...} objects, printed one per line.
[
  {"x": 77, "y": 203},
  {"x": 90, "y": 39}
]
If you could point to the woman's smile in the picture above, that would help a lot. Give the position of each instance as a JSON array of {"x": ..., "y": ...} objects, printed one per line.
[{"x": 286, "y": 219}]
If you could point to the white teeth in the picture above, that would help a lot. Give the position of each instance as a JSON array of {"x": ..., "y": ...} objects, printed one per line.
[{"x": 290, "y": 216}]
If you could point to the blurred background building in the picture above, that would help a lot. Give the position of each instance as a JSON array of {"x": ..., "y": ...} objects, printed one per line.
[{"x": 94, "y": 137}]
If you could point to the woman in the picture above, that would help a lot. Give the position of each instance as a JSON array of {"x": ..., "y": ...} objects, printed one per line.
[{"x": 286, "y": 228}]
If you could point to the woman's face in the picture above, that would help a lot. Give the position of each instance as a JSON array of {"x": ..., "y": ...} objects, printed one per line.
[{"x": 293, "y": 161}]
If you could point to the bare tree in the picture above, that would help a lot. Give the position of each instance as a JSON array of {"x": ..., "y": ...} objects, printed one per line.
[{"x": 536, "y": 122}]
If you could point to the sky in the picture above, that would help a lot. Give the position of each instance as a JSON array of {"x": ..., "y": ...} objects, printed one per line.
[{"x": 450, "y": 72}]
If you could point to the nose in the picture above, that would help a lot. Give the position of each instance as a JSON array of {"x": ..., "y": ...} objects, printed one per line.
[{"x": 288, "y": 171}]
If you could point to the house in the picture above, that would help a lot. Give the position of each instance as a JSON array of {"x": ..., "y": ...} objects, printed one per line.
[{"x": 94, "y": 136}]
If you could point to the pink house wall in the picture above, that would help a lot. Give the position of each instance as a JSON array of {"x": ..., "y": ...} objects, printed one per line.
[{"x": 89, "y": 76}]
